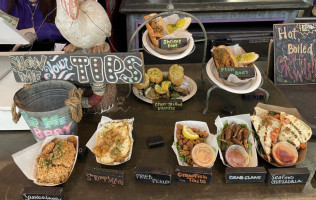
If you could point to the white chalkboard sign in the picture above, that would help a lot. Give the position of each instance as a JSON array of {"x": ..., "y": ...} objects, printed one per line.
[{"x": 121, "y": 68}]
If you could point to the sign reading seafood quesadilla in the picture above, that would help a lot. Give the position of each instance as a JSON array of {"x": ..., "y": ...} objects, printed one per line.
[{"x": 281, "y": 136}]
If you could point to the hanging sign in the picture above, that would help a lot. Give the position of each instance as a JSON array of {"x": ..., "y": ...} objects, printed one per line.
[
  {"x": 112, "y": 68},
  {"x": 294, "y": 53}
]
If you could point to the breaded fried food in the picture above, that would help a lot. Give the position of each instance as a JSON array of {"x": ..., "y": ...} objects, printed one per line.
[
  {"x": 223, "y": 57},
  {"x": 56, "y": 160},
  {"x": 113, "y": 143}
]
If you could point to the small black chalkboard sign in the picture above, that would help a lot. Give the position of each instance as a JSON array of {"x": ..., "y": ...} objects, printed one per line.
[
  {"x": 193, "y": 174},
  {"x": 152, "y": 175},
  {"x": 44, "y": 193},
  {"x": 240, "y": 72},
  {"x": 167, "y": 104},
  {"x": 255, "y": 95},
  {"x": 155, "y": 141},
  {"x": 109, "y": 176},
  {"x": 172, "y": 43},
  {"x": 282, "y": 176},
  {"x": 245, "y": 174}
]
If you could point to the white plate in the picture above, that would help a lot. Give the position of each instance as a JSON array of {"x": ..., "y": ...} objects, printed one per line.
[
  {"x": 243, "y": 89},
  {"x": 167, "y": 57},
  {"x": 187, "y": 82}
]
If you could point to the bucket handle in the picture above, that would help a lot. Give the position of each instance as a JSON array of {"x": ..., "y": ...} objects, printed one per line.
[
  {"x": 15, "y": 116},
  {"x": 74, "y": 104}
]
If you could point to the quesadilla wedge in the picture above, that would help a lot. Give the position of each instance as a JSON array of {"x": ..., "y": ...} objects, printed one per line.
[
  {"x": 294, "y": 130},
  {"x": 267, "y": 129}
]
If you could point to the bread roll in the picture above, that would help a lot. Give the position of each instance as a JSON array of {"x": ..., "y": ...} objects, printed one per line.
[
  {"x": 223, "y": 57},
  {"x": 176, "y": 74},
  {"x": 155, "y": 75},
  {"x": 143, "y": 85}
]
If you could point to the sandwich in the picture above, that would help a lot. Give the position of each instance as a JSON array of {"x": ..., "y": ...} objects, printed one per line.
[
  {"x": 156, "y": 28},
  {"x": 223, "y": 57}
]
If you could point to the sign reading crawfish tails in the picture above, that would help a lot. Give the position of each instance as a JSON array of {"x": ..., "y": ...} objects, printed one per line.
[
  {"x": 294, "y": 53},
  {"x": 122, "y": 68}
]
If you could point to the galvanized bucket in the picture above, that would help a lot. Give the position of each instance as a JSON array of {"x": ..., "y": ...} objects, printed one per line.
[{"x": 49, "y": 107}]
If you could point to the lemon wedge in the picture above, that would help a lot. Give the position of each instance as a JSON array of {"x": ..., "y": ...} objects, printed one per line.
[
  {"x": 181, "y": 24},
  {"x": 247, "y": 58},
  {"x": 165, "y": 85},
  {"x": 159, "y": 89},
  {"x": 188, "y": 133}
]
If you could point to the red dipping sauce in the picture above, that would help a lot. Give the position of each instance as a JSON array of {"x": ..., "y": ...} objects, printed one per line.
[{"x": 237, "y": 156}]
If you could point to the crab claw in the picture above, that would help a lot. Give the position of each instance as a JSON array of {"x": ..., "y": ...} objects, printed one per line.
[{"x": 71, "y": 7}]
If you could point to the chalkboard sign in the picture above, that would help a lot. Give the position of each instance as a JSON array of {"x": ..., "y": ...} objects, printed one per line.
[
  {"x": 294, "y": 53},
  {"x": 172, "y": 43},
  {"x": 112, "y": 68},
  {"x": 109, "y": 176},
  {"x": 257, "y": 94},
  {"x": 283, "y": 176},
  {"x": 240, "y": 72},
  {"x": 167, "y": 104},
  {"x": 152, "y": 175},
  {"x": 44, "y": 193},
  {"x": 155, "y": 141},
  {"x": 193, "y": 174},
  {"x": 245, "y": 174}
]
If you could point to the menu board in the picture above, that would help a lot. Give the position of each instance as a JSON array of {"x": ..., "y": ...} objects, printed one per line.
[
  {"x": 294, "y": 53},
  {"x": 83, "y": 68}
]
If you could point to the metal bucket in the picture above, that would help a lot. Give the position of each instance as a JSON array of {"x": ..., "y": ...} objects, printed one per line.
[{"x": 43, "y": 107}]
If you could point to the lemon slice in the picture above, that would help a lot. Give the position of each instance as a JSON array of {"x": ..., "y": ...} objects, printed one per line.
[
  {"x": 188, "y": 133},
  {"x": 165, "y": 85},
  {"x": 181, "y": 24},
  {"x": 159, "y": 89},
  {"x": 247, "y": 58}
]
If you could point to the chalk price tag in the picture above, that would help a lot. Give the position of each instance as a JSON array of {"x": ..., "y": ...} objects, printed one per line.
[
  {"x": 152, "y": 175},
  {"x": 44, "y": 193},
  {"x": 240, "y": 72},
  {"x": 257, "y": 94},
  {"x": 109, "y": 176},
  {"x": 167, "y": 104},
  {"x": 172, "y": 43},
  {"x": 284, "y": 176},
  {"x": 245, "y": 174},
  {"x": 193, "y": 174}
]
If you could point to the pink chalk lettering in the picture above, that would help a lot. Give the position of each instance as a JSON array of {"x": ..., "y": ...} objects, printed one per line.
[
  {"x": 48, "y": 132},
  {"x": 38, "y": 133},
  {"x": 58, "y": 131},
  {"x": 67, "y": 128}
]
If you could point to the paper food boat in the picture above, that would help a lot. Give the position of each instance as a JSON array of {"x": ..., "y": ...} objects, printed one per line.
[
  {"x": 240, "y": 119},
  {"x": 104, "y": 121},
  {"x": 211, "y": 139},
  {"x": 26, "y": 158},
  {"x": 291, "y": 111}
]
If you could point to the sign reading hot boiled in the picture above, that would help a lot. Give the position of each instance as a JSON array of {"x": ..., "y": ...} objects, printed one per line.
[
  {"x": 294, "y": 53},
  {"x": 110, "y": 68}
]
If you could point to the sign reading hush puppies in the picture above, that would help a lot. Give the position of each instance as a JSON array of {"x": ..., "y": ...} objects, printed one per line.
[{"x": 122, "y": 68}]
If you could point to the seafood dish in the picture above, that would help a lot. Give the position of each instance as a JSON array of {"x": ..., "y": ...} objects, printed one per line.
[{"x": 55, "y": 163}]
